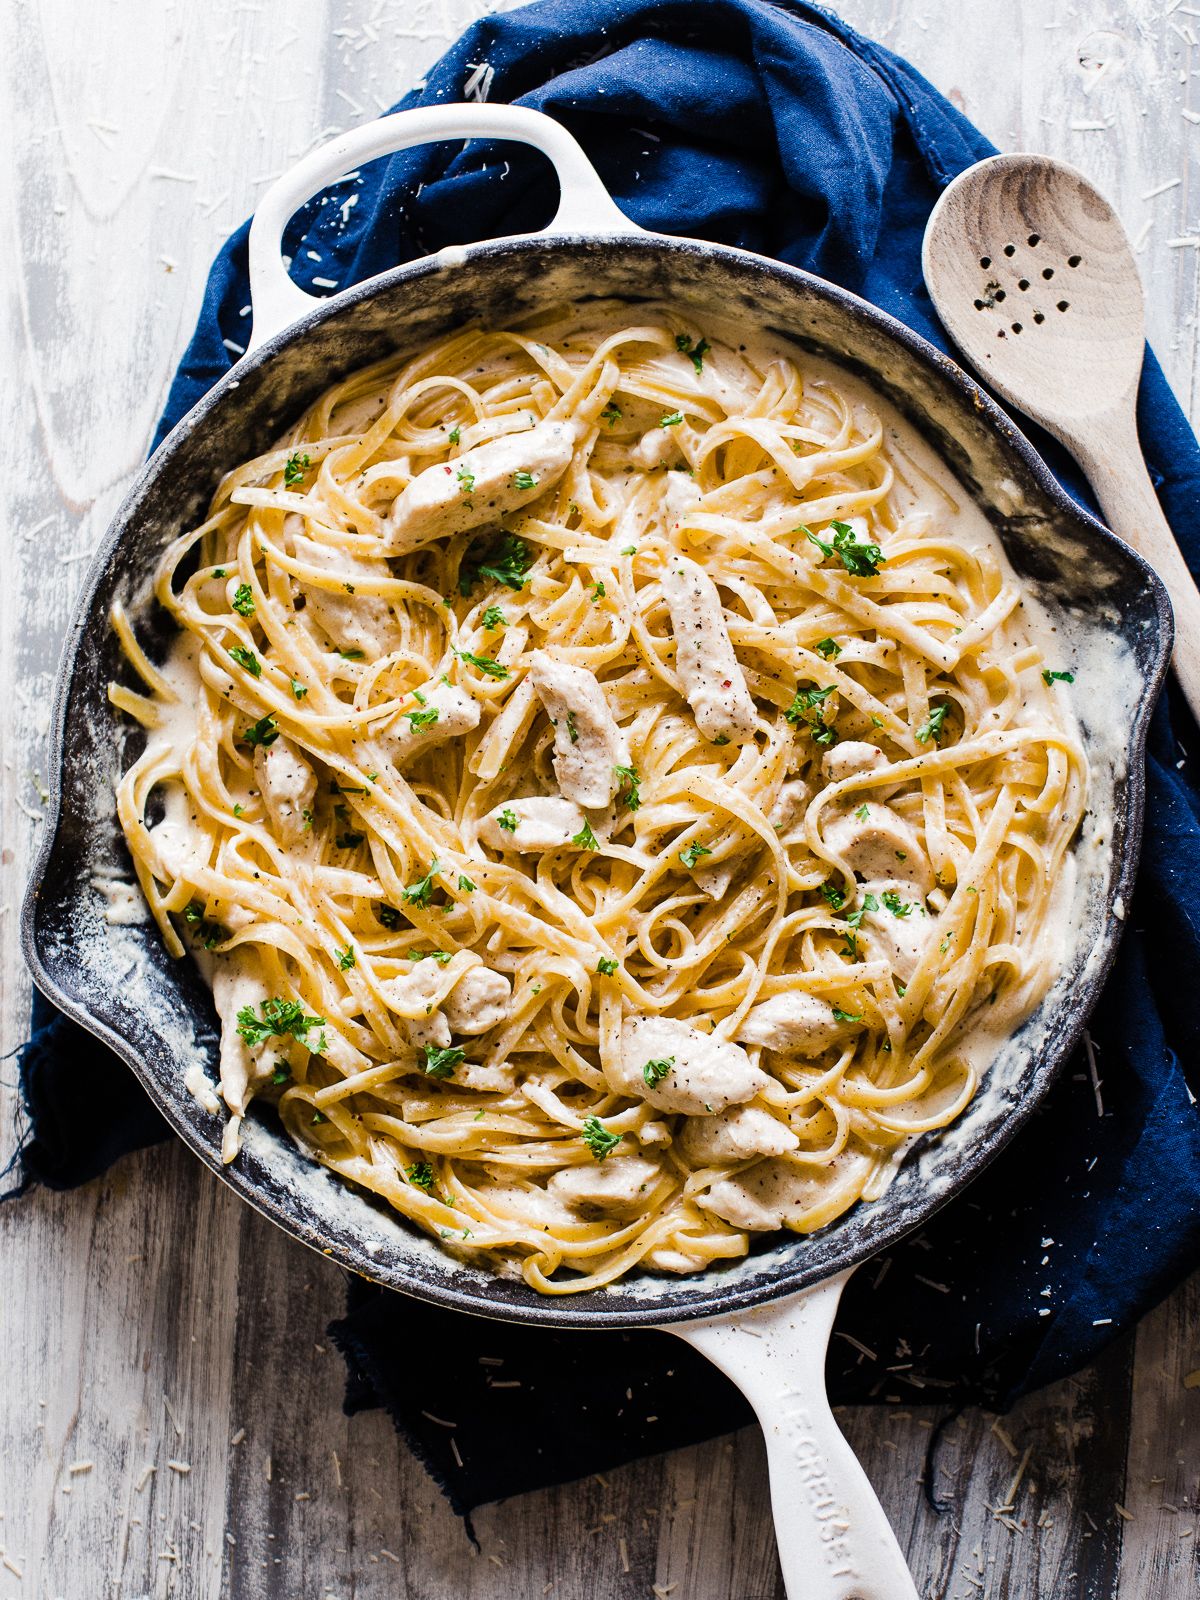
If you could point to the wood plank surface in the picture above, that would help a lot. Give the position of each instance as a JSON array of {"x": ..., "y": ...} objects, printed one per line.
[{"x": 170, "y": 1409}]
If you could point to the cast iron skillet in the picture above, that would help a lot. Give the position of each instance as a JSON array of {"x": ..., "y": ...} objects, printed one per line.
[{"x": 1116, "y": 627}]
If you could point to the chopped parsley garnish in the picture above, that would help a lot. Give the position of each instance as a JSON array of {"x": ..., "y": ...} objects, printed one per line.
[
  {"x": 319, "y": 1116},
  {"x": 279, "y": 1019},
  {"x": 493, "y": 618},
  {"x": 420, "y": 891},
  {"x": 440, "y": 956},
  {"x": 209, "y": 933},
  {"x": 572, "y": 730},
  {"x": 466, "y": 481},
  {"x": 870, "y": 903},
  {"x": 264, "y": 732},
  {"x": 833, "y": 895},
  {"x": 630, "y": 792},
  {"x": 456, "y": 433},
  {"x": 672, "y": 420},
  {"x": 696, "y": 351},
  {"x": 388, "y": 915},
  {"x": 243, "y": 600},
  {"x": 850, "y": 947},
  {"x": 420, "y": 1174},
  {"x": 420, "y": 720},
  {"x": 295, "y": 468},
  {"x": 505, "y": 560},
  {"x": 524, "y": 480},
  {"x": 246, "y": 658},
  {"x": 864, "y": 812},
  {"x": 351, "y": 655},
  {"x": 489, "y": 667},
  {"x": 829, "y": 648},
  {"x": 808, "y": 710},
  {"x": 218, "y": 572},
  {"x": 898, "y": 907},
  {"x": 585, "y": 838},
  {"x": 859, "y": 560},
  {"x": 692, "y": 854},
  {"x": 508, "y": 820},
  {"x": 607, "y": 965},
  {"x": 598, "y": 591},
  {"x": 441, "y": 1063},
  {"x": 931, "y": 728},
  {"x": 846, "y": 1016},
  {"x": 238, "y": 809},
  {"x": 1049, "y": 678},
  {"x": 299, "y": 690},
  {"x": 465, "y": 884},
  {"x": 901, "y": 988},
  {"x": 611, "y": 414},
  {"x": 281, "y": 1074},
  {"x": 346, "y": 958},
  {"x": 655, "y": 1071},
  {"x": 629, "y": 550},
  {"x": 598, "y": 1139}
]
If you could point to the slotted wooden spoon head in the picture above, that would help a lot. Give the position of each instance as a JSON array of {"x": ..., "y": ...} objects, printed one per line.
[{"x": 1031, "y": 272}]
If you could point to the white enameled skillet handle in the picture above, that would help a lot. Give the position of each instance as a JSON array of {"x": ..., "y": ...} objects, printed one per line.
[
  {"x": 584, "y": 206},
  {"x": 835, "y": 1543}
]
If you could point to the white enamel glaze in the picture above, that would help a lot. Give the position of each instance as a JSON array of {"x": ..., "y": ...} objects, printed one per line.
[
  {"x": 774, "y": 1353},
  {"x": 584, "y": 206},
  {"x": 834, "y": 1541}
]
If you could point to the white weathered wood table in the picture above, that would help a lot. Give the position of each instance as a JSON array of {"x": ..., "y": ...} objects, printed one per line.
[{"x": 153, "y": 1441}]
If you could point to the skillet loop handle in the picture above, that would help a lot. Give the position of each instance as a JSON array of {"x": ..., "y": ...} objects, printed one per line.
[
  {"x": 585, "y": 205},
  {"x": 834, "y": 1540}
]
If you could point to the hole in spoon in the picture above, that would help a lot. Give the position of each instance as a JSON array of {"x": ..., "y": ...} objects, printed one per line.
[
  {"x": 1023, "y": 283},
  {"x": 985, "y": 261},
  {"x": 1034, "y": 240},
  {"x": 1047, "y": 273},
  {"x": 1016, "y": 327},
  {"x": 1010, "y": 249},
  {"x": 1063, "y": 304},
  {"x": 1039, "y": 316},
  {"x": 1073, "y": 261},
  {"x": 1000, "y": 294}
]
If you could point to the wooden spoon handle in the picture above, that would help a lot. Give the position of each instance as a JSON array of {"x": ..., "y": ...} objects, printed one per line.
[{"x": 1112, "y": 458}]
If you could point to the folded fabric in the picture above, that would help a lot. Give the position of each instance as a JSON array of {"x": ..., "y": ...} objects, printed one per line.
[{"x": 774, "y": 127}]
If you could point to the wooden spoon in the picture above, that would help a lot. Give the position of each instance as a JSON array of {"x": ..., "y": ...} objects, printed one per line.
[{"x": 1032, "y": 274}]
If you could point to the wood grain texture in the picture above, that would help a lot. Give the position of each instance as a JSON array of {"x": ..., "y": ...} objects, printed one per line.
[
  {"x": 151, "y": 1319},
  {"x": 1031, "y": 273}
]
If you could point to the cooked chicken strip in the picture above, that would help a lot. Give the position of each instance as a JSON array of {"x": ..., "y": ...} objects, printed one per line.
[
  {"x": 713, "y": 682},
  {"x": 588, "y": 744},
  {"x": 479, "y": 486},
  {"x": 288, "y": 786},
  {"x": 618, "y": 1186},
  {"x": 353, "y": 621},
  {"x": 413, "y": 731},
  {"x": 541, "y": 822},
  {"x": 735, "y": 1135},
  {"x": 796, "y": 1024},
  {"x": 701, "y": 1074}
]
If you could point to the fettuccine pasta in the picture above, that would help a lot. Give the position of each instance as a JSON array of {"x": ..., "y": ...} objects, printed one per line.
[{"x": 607, "y": 780}]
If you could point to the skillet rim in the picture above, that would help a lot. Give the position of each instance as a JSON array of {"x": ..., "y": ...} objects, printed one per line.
[{"x": 684, "y": 1300}]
